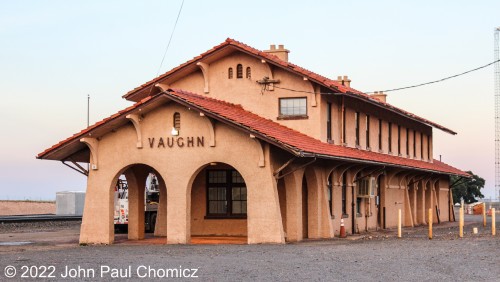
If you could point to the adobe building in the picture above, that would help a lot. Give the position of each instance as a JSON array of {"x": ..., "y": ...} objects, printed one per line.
[{"x": 245, "y": 143}]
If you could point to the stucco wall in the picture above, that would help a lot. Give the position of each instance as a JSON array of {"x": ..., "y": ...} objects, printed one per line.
[{"x": 178, "y": 166}]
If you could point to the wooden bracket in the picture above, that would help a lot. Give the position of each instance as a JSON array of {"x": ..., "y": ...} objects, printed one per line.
[
  {"x": 211, "y": 129},
  {"x": 93, "y": 145},
  {"x": 204, "y": 70},
  {"x": 262, "y": 158},
  {"x": 136, "y": 121}
]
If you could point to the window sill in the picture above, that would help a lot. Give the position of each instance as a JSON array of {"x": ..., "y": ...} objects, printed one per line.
[
  {"x": 368, "y": 149},
  {"x": 359, "y": 215},
  {"x": 225, "y": 217},
  {"x": 330, "y": 141},
  {"x": 292, "y": 117},
  {"x": 345, "y": 215}
]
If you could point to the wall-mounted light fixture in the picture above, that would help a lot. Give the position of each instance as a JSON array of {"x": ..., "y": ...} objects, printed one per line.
[{"x": 174, "y": 132}]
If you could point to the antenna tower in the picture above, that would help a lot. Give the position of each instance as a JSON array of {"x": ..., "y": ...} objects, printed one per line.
[{"x": 497, "y": 115}]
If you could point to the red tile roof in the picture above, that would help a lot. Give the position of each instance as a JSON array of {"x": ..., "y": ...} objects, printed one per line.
[
  {"x": 84, "y": 132},
  {"x": 329, "y": 83},
  {"x": 295, "y": 140},
  {"x": 266, "y": 129}
]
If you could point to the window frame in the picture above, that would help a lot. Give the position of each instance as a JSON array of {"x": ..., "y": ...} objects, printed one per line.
[
  {"x": 344, "y": 195},
  {"x": 390, "y": 137},
  {"x": 367, "y": 132},
  {"x": 229, "y": 186},
  {"x": 230, "y": 73},
  {"x": 177, "y": 122},
  {"x": 281, "y": 116},
  {"x": 248, "y": 73},
  {"x": 329, "y": 121},
  {"x": 239, "y": 71},
  {"x": 380, "y": 148},
  {"x": 356, "y": 122},
  {"x": 399, "y": 140}
]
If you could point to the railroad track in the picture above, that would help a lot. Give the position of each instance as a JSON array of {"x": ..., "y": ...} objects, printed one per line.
[{"x": 38, "y": 217}]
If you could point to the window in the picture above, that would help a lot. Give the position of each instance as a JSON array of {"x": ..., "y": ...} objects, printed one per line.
[
  {"x": 399, "y": 139},
  {"x": 226, "y": 194},
  {"x": 367, "y": 131},
  {"x": 343, "y": 126},
  {"x": 390, "y": 137},
  {"x": 421, "y": 145},
  {"x": 177, "y": 122},
  {"x": 249, "y": 73},
  {"x": 358, "y": 206},
  {"x": 293, "y": 107},
  {"x": 344, "y": 194},
  {"x": 239, "y": 71},
  {"x": 330, "y": 197},
  {"x": 230, "y": 73},
  {"x": 356, "y": 120},
  {"x": 428, "y": 147},
  {"x": 414, "y": 143},
  {"x": 329, "y": 121},
  {"x": 407, "y": 142},
  {"x": 380, "y": 134}
]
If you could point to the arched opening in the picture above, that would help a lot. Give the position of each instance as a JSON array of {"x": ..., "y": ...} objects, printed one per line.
[
  {"x": 282, "y": 199},
  {"x": 305, "y": 209},
  {"x": 140, "y": 204},
  {"x": 249, "y": 73},
  {"x": 177, "y": 124},
  {"x": 230, "y": 73},
  {"x": 239, "y": 71},
  {"x": 218, "y": 205}
]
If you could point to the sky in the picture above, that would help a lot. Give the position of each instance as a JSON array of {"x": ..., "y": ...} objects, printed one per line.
[{"x": 55, "y": 53}]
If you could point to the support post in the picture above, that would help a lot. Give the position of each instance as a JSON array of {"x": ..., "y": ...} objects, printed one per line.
[
  {"x": 430, "y": 223},
  {"x": 399, "y": 223},
  {"x": 484, "y": 214},
  {"x": 461, "y": 223},
  {"x": 493, "y": 223}
]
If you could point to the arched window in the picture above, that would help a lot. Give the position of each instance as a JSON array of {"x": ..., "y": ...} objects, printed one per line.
[
  {"x": 249, "y": 72},
  {"x": 239, "y": 71},
  {"x": 177, "y": 122},
  {"x": 230, "y": 73}
]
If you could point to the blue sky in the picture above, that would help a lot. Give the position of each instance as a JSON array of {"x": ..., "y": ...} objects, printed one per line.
[{"x": 54, "y": 53}]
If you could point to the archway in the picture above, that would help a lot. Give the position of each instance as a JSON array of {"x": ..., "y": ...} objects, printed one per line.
[
  {"x": 218, "y": 205},
  {"x": 305, "y": 208},
  {"x": 283, "y": 208},
  {"x": 140, "y": 200}
]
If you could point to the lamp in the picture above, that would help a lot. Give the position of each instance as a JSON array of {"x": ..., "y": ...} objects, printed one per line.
[{"x": 174, "y": 132}]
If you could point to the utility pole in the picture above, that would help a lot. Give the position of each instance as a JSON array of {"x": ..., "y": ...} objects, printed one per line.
[
  {"x": 88, "y": 110},
  {"x": 88, "y": 124},
  {"x": 497, "y": 115}
]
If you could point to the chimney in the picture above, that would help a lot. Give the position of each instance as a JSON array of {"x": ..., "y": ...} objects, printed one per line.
[
  {"x": 379, "y": 95},
  {"x": 281, "y": 52},
  {"x": 344, "y": 81}
]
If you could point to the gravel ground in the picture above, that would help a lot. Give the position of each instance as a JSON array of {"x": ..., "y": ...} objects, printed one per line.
[
  {"x": 32, "y": 227},
  {"x": 377, "y": 256}
]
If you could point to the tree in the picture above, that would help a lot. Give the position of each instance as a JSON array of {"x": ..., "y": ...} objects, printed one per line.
[{"x": 467, "y": 188}]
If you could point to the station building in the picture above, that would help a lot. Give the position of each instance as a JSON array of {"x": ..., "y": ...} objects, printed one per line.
[{"x": 245, "y": 143}]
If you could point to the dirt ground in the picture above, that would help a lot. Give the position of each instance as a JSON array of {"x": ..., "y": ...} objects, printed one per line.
[
  {"x": 376, "y": 256},
  {"x": 26, "y": 207}
]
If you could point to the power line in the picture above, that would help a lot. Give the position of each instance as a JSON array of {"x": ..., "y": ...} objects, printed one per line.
[
  {"x": 170, "y": 40},
  {"x": 439, "y": 80},
  {"x": 401, "y": 88}
]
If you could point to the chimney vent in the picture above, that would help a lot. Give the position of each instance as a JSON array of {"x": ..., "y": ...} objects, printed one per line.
[
  {"x": 380, "y": 95},
  {"x": 344, "y": 81},
  {"x": 281, "y": 52}
]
